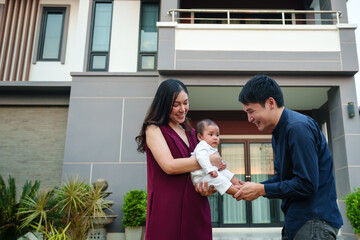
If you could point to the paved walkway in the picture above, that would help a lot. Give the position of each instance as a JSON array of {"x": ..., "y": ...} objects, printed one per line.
[{"x": 246, "y": 233}]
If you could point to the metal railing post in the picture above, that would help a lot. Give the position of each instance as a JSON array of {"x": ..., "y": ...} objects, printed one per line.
[
  {"x": 228, "y": 17},
  {"x": 283, "y": 18}
]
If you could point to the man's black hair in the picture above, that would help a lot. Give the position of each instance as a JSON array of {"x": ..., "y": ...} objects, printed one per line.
[{"x": 259, "y": 89}]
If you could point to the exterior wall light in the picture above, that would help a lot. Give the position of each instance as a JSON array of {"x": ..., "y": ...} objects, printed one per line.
[{"x": 351, "y": 109}]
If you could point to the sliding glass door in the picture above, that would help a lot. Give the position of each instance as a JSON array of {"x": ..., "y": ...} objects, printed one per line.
[{"x": 250, "y": 160}]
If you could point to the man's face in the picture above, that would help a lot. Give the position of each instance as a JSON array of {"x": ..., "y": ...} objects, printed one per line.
[{"x": 259, "y": 115}]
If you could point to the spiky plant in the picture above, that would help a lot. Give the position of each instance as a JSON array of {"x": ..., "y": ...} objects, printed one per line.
[
  {"x": 54, "y": 234},
  {"x": 41, "y": 211},
  {"x": 80, "y": 202},
  {"x": 10, "y": 219}
]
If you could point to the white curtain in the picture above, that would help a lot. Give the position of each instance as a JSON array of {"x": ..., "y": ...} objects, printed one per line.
[
  {"x": 234, "y": 212},
  {"x": 261, "y": 156}
]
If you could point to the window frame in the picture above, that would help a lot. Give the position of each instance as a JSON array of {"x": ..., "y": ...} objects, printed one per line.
[
  {"x": 246, "y": 141},
  {"x": 98, "y": 53},
  {"x": 152, "y": 53},
  {"x": 40, "y": 33}
]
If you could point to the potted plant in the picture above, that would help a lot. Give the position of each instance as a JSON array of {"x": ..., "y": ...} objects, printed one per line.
[
  {"x": 73, "y": 204},
  {"x": 134, "y": 210},
  {"x": 352, "y": 201}
]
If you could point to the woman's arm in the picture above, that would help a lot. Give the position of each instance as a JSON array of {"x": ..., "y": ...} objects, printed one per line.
[{"x": 161, "y": 152}]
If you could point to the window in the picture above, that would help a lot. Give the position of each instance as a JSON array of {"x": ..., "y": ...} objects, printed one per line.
[
  {"x": 100, "y": 36},
  {"x": 148, "y": 36},
  {"x": 250, "y": 160},
  {"x": 52, "y": 34}
]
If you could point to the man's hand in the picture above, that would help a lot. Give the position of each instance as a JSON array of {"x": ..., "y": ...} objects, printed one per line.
[
  {"x": 250, "y": 191},
  {"x": 214, "y": 174},
  {"x": 204, "y": 190}
]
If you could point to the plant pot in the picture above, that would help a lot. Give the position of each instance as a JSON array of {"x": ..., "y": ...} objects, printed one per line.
[
  {"x": 32, "y": 236},
  {"x": 135, "y": 233}
]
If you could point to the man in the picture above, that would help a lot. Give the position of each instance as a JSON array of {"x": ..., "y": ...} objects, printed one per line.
[{"x": 303, "y": 164}]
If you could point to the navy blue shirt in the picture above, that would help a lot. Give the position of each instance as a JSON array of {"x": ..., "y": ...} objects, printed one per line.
[{"x": 304, "y": 178}]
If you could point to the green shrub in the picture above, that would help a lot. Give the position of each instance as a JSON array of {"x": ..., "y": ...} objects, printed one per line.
[
  {"x": 134, "y": 208},
  {"x": 352, "y": 201}
]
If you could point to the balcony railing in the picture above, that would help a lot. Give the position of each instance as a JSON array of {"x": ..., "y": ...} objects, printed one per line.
[{"x": 284, "y": 17}]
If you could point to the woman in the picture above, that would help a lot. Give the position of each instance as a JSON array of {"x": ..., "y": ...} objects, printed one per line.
[{"x": 175, "y": 211}]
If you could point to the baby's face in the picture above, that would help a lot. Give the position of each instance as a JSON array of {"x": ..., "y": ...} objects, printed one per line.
[{"x": 210, "y": 135}]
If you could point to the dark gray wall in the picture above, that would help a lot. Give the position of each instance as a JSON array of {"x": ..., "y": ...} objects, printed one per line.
[
  {"x": 105, "y": 115},
  {"x": 33, "y": 126}
]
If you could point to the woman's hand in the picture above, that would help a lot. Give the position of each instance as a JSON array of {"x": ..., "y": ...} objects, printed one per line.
[
  {"x": 216, "y": 160},
  {"x": 204, "y": 190}
]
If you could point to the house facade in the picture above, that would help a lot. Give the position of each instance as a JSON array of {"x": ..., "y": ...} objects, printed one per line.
[{"x": 77, "y": 77}]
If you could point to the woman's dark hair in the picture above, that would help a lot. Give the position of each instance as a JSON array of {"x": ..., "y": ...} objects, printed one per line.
[
  {"x": 203, "y": 124},
  {"x": 160, "y": 108},
  {"x": 259, "y": 89}
]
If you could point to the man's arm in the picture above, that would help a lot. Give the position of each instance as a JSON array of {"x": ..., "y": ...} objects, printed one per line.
[{"x": 305, "y": 169}]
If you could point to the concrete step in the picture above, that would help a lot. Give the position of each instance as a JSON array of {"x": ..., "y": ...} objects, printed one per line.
[{"x": 246, "y": 233}]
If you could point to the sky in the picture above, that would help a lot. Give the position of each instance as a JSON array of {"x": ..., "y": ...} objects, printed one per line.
[{"x": 353, "y": 7}]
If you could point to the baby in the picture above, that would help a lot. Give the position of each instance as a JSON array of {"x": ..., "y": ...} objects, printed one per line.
[{"x": 207, "y": 132}]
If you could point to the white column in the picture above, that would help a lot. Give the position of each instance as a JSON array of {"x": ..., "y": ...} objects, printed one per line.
[{"x": 125, "y": 36}]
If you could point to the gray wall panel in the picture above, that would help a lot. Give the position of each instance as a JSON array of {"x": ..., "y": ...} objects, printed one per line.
[
  {"x": 347, "y": 35},
  {"x": 258, "y": 61},
  {"x": 121, "y": 179},
  {"x": 258, "y": 65},
  {"x": 354, "y": 175},
  {"x": 167, "y": 33},
  {"x": 349, "y": 57},
  {"x": 334, "y": 98},
  {"x": 337, "y": 122},
  {"x": 166, "y": 6},
  {"x": 114, "y": 86},
  {"x": 342, "y": 182},
  {"x": 340, "y": 5},
  {"x": 134, "y": 114},
  {"x": 94, "y": 130},
  {"x": 346, "y": 228},
  {"x": 252, "y": 55},
  {"x": 166, "y": 52},
  {"x": 72, "y": 170},
  {"x": 339, "y": 152}
]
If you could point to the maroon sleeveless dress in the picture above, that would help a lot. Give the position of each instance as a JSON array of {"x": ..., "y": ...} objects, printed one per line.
[{"x": 175, "y": 211}]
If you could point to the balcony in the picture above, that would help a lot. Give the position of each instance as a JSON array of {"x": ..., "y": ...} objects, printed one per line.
[{"x": 256, "y": 40}]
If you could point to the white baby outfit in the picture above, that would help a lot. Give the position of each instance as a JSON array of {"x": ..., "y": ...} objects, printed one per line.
[{"x": 222, "y": 182}]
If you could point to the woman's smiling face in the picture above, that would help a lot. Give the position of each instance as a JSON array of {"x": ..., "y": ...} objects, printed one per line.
[{"x": 180, "y": 108}]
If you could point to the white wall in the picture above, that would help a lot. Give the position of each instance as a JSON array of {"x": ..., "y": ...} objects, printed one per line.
[
  {"x": 257, "y": 38},
  {"x": 124, "y": 36},
  {"x": 75, "y": 45}
]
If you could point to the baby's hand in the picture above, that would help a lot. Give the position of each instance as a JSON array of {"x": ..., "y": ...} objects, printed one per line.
[
  {"x": 214, "y": 174},
  {"x": 223, "y": 165}
]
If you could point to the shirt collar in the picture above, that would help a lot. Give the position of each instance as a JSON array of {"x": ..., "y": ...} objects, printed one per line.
[{"x": 279, "y": 125}]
